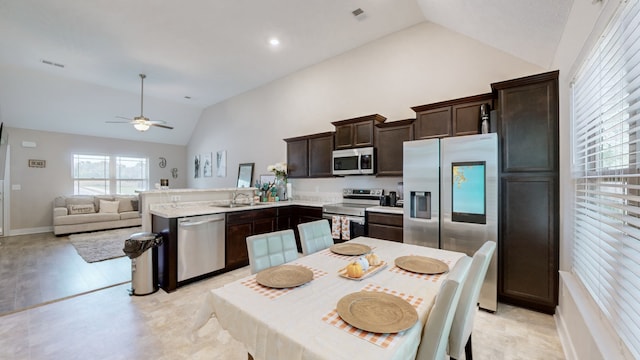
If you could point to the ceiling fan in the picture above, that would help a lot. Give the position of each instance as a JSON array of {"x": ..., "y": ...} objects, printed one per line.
[{"x": 142, "y": 123}]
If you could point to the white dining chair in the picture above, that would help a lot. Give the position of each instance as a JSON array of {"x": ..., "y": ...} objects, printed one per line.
[
  {"x": 460, "y": 336},
  {"x": 271, "y": 249},
  {"x": 315, "y": 236},
  {"x": 435, "y": 335}
]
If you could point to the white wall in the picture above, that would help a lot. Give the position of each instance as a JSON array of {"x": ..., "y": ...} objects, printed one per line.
[
  {"x": 31, "y": 206},
  {"x": 422, "y": 64},
  {"x": 583, "y": 333}
]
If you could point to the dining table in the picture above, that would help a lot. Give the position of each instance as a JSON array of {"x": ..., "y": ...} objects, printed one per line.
[{"x": 302, "y": 322}]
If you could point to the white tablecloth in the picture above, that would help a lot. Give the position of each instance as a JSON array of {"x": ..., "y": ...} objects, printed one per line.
[{"x": 290, "y": 325}]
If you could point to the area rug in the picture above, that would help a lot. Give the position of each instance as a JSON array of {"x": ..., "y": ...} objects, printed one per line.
[{"x": 102, "y": 245}]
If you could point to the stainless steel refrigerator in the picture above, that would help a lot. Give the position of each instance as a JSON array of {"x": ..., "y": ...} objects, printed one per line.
[{"x": 451, "y": 198}]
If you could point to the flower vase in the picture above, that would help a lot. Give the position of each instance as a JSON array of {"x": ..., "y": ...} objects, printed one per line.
[{"x": 281, "y": 185}]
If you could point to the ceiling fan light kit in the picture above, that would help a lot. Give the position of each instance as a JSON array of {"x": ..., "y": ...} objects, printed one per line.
[{"x": 142, "y": 123}]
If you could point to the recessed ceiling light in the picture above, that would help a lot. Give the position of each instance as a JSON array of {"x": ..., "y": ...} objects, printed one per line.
[{"x": 274, "y": 41}]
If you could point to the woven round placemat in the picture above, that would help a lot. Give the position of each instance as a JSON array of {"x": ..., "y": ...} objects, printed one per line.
[
  {"x": 284, "y": 276},
  {"x": 350, "y": 249},
  {"x": 377, "y": 312},
  {"x": 421, "y": 264}
]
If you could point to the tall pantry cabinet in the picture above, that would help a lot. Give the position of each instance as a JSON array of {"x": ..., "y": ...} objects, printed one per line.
[{"x": 527, "y": 125}]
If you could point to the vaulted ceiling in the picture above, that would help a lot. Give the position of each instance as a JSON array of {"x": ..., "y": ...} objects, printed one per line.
[{"x": 69, "y": 66}]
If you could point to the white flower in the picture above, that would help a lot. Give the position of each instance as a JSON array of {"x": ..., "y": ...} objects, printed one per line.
[{"x": 281, "y": 167}]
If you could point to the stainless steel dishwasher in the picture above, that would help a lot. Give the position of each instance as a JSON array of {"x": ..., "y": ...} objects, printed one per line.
[{"x": 200, "y": 245}]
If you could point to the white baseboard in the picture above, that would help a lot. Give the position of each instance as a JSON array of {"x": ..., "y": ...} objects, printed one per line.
[
  {"x": 28, "y": 231},
  {"x": 563, "y": 333}
]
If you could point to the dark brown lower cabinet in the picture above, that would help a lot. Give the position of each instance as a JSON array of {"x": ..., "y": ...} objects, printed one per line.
[
  {"x": 241, "y": 224},
  {"x": 529, "y": 248},
  {"x": 384, "y": 226},
  {"x": 167, "y": 252},
  {"x": 303, "y": 214},
  {"x": 284, "y": 218}
]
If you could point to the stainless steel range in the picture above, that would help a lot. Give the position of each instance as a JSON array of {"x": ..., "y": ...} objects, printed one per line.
[{"x": 352, "y": 208}]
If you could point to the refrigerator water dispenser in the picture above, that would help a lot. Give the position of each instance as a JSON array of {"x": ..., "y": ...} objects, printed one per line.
[{"x": 420, "y": 205}]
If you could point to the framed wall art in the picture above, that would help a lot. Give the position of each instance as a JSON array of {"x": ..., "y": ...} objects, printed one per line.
[
  {"x": 207, "y": 165},
  {"x": 196, "y": 166},
  {"x": 37, "y": 163},
  {"x": 221, "y": 163}
]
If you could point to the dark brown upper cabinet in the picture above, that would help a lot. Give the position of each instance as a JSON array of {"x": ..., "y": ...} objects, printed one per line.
[
  {"x": 297, "y": 157},
  {"x": 310, "y": 156},
  {"x": 356, "y": 132},
  {"x": 320, "y": 155},
  {"x": 529, "y": 123},
  {"x": 389, "y": 139},
  {"x": 456, "y": 117}
]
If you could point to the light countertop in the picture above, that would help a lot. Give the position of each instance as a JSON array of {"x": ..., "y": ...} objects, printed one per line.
[
  {"x": 195, "y": 208},
  {"x": 183, "y": 209},
  {"x": 386, "y": 209}
]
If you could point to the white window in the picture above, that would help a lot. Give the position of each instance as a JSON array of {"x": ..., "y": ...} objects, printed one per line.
[
  {"x": 104, "y": 174},
  {"x": 606, "y": 163}
]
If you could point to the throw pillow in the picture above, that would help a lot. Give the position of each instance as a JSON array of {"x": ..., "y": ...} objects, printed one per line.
[
  {"x": 97, "y": 198},
  {"x": 109, "y": 206},
  {"x": 81, "y": 209},
  {"x": 79, "y": 200},
  {"x": 126, "y": 203}
]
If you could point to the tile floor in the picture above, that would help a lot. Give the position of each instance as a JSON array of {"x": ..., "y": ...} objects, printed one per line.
[
  {"x": 110, "y": 324},
  {"x": 40, "y": 268}
]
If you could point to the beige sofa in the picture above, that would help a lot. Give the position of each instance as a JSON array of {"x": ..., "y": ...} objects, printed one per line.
[{"x": 80, "y": 213}]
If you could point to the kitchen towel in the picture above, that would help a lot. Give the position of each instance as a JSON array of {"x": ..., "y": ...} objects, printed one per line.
[
  {"x": 346, "y": 228},
  {"x": 336, "y": 227}
]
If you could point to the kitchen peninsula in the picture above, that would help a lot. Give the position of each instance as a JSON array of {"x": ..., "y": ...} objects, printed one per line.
[
  {"x": 204, "y": 230},
  {"x": 223, "y": 247}
]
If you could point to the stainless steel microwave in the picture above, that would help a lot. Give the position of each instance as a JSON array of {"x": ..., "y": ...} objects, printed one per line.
[{"x": 360, "y": 161}]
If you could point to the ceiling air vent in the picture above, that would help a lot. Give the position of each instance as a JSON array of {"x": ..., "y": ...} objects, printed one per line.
[
  {"x": 357, "y": 12},
  {"x": 52, "y": 63}
]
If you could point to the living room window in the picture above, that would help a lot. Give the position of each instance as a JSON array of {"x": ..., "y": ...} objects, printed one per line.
[
  {"x": 606, "y": 173},
  {"x": 109, "y": 174}
]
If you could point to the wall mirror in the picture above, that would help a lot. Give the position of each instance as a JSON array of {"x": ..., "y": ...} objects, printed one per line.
[{"x": 245, "y": 175}]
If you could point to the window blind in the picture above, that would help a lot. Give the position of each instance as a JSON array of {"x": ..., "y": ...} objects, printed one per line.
[
  {"x": 109, "y": 174},
  {"x": 606, "y": 161}
]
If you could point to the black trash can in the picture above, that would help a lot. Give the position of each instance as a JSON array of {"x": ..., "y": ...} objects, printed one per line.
[{"x": 141, "y": 248}]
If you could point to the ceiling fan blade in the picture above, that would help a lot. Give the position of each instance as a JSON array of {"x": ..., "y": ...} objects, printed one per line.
[
  {"x": 118, "y": 122},
  {"x": 162, "y": 126},
  {"x": 122, "y": 117}
]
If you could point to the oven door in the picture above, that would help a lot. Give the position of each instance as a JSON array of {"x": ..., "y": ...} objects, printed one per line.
[{"x": 357, "y": 226}]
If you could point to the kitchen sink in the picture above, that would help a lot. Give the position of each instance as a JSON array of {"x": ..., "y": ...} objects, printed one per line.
[{"x": 232, "y": 206}]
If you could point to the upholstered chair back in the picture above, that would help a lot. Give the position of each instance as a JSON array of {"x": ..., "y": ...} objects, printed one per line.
[
  {"x": 315, "y": 236},
  {"x": 271, "y": 249},
  {"x": 465, "y": 313},
  {"x": 435, "y": 335}
]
